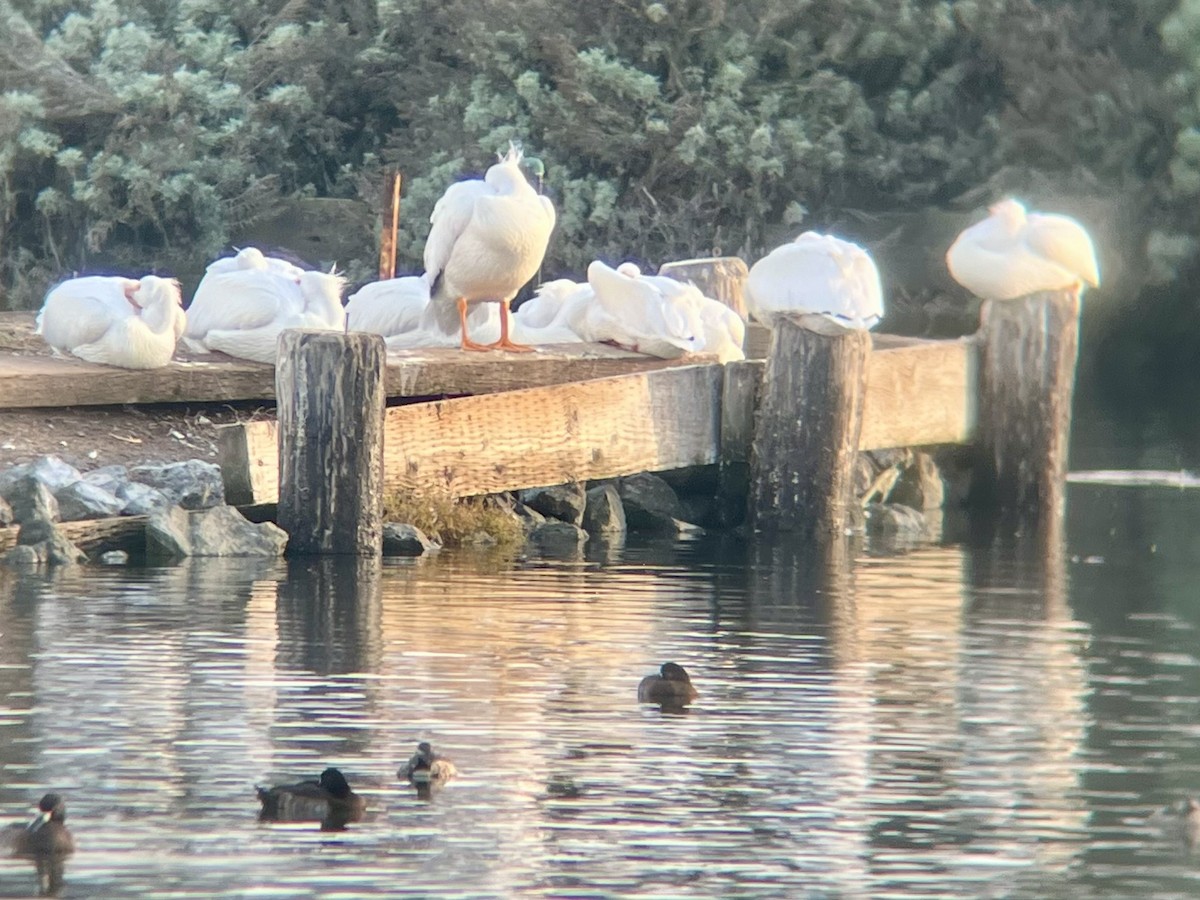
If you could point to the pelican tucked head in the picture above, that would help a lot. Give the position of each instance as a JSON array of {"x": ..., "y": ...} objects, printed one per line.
[{"x": 152, "y": 288}]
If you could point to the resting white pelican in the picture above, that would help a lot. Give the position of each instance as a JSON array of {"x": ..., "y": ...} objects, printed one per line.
[
  {"x": 1013, "y": 253},
  {"x": 657, "y": 315},
  {"x": 816, "y": 273},
  {"x": 241, "y": 312},
  {"x": 556, "y": 314},
  {"x": 398, "y": 309},
  {"x": 486, "y": 239},
  {"x": 117, "y": 321},
  {"x": 253, "y": 258}
]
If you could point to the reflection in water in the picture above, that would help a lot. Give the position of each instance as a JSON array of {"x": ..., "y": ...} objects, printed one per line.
[{"x": 949, "y": 721}]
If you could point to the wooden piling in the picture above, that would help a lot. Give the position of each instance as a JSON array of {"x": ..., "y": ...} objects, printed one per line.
[
  {"x": 1028, "y": 349},
  {"x": 331, "y": 399},
  {"x": 721, "y": 278},
  {"x": 808, "y": 425},
  {"x": 391, "y": 225}
]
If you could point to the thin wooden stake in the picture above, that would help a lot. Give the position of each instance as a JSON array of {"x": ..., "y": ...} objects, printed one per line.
[{"x": 391, "y": 226}]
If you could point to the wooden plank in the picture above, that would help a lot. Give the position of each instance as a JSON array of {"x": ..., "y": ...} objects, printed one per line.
[
  {"x": 29, "y": 381},
  {"x": 249, "y": 458},
  {"x": 920, "y": 393},
  {"x": 90, "y": 535},
  {"x": 476, "y": 445}
]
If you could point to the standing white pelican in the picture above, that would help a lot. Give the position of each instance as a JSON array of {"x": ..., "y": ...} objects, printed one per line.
[
  {"x": 117, "y": 321},
  {"x": 1013, "y": 253},
  {"x": 241, "y": 311},
  {"x": 816, "y": 273},
  {"x": 486, "y": 239}
]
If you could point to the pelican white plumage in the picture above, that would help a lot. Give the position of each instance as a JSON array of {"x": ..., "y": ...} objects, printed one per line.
[
  {"x": 124, "y": 322},
  {"x": 487, "y": 238},
  {"x": 657, "y": 315},
  {"x": 816, "y": 273},
  {"x": 398, "y": 309},
  {"x": 556, "y": 314},
  {"x": 241, "y": 311},
  {"x": 1013, "y": 253}
]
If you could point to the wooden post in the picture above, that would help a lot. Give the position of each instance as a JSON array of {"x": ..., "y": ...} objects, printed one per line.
[
  {"x": 391, "y": 224},
  {"x": 808, "y": 425},
  {"x": 720, "y": 277},
  {"x": 739, "y": 399},
  {"x": 1028, "y": 349},
  {"x": 330, "y": 389}
]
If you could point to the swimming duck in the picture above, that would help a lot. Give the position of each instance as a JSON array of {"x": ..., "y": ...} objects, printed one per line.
[
  {"x": 426, "y": 766},
  {"x": 47, "y": 834},
  {"x": 1013, "y": 253},
  {"x": 328, "y": 800},
  {"x": 126, "y": 322},
  {"x": 816, "y": 273},
  {"x": 671, "y": 687},
  {"x": 241, "y": 310},
  {"x": 487, "y": 238}
]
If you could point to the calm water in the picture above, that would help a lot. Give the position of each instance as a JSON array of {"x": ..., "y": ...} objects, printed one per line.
[{"x": 943, "y": 721}]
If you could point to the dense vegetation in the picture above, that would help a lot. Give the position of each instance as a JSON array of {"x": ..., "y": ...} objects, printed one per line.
[{"x": 144, "y": 133}]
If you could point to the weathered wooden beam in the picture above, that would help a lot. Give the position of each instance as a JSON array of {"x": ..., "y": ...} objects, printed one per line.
[
  {"x": 1028, "y": 350},
  {"x": 806, "y": 435},
  {"x": 920, "y": 392},
  {"x": 722, "y": 278},
  {"x": 649, "y": 421},
  {"x": 572, "y": 432},
  {"x": 739, "y": 399},
  {"x": 331, "y": 405},
  {"x": 90, "y": 535}
]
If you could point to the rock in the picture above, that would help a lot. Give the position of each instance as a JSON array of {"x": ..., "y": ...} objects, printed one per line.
[
  {"x": 30, "y": 499},
  {"x": 193, "y": 484},
  {"x": 218, "y": 531},
  {"x": 6, "y": 513},
  {"x": 555, "y": 538},
  {"x": 564, "y": 502},
  {"x": 529, "y": 518},
  {"x": 692, "y": 479},
  {"x": 141, "y": 499},
  {"x": 650, "y": 503},
  {"x": 110, "y": 478},
  {"x": 920, "y": 485},
  {"x": 604, "y": 513},
  {"x": 40, "y": 543},
  {"x": 406, "y": 540},
  {"x": 895, "y": 521},
  {"x": 49, "y": 470},
  {"x": 114, "y": 557},
  {"x": 84, "y": 500}
]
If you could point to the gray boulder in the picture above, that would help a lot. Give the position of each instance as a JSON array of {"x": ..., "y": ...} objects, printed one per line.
[
  {"x": 604, "y": 513},
  {"x": 556, "y": 538},
  {"x": 140, "y": 499},
  {"x": 564, "y": 502},
  {"x": 406, "y": 540},
  {"x": 218, "y": 531},
  {"x": 39, "y": 542},
  {"x": 6, "y": 513},
  {"x": 194, "y": 484},
  {"x": 895, "y": 521},
  {"x": 528, "y": 517},
  {"x": 110, "y": 478},
  {"x": 84, "y": 500},
  {"x": 650, "y": 504},
  {"x": 114, "y": 557},
  {"x": 30, "y": 499},
  {"x": 49, "y": 470}
]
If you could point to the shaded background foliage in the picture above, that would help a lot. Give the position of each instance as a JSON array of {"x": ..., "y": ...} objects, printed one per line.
[{"x": 146, "y": 134}]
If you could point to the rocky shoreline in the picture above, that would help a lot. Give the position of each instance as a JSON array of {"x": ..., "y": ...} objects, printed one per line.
[{"x": 903, "y": 493}]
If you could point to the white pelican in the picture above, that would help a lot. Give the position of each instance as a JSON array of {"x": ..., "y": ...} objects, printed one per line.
[
  {"x": 486, "y": 239},
  {"x": 399, "y": 309},
  {"x": 816, "y": 273},
  {"x": 657, "y": 315},
  {"x": 117, "y": 321},
  {"x": 241, "y": 311},
  {"x": 253, "y": 258},
  {"x": 556, "y": 314},
  {"x": 1013, "y": 253}
]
